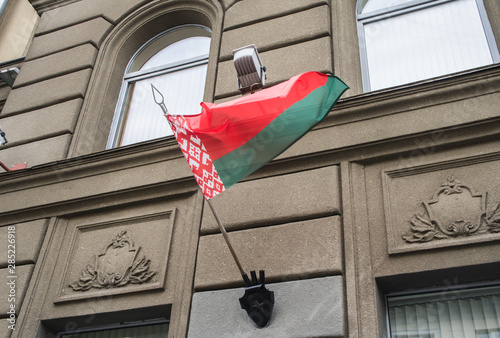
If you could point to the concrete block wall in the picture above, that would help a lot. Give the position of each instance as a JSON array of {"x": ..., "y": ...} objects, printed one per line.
[
  {"x": 291, "y": 38},
  {"x": 41, "y": 110},
  {"x": 28, "y": 238}
]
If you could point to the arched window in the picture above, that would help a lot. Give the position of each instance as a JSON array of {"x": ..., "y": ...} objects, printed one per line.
[
  {"x": 175, "y": 62},
  {"x": 404, "y": 41}
]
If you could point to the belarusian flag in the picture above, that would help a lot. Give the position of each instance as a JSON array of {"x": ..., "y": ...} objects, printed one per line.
[{"x": 228, "y": 141}]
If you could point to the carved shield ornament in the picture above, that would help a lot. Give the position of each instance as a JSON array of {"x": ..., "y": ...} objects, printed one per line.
[
  {"x": 118, "y": 264},
  {"x": 455, "y": 210}
]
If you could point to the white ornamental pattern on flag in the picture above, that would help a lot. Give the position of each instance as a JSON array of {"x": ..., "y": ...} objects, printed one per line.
[{"x": 197, "y": 157}]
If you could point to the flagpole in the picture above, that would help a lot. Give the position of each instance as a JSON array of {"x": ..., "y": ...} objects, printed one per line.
[
  {"x": 159, "y": 99},
  {"x": 226, "y": 237}
]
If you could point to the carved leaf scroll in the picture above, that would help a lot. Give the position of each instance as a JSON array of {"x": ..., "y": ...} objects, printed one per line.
[
  {"x": 118, "y": 265},
  {"x": 455, "y": 210},
  {"x": 493, "y": 218},
  {"x": 422, "y": 230}
]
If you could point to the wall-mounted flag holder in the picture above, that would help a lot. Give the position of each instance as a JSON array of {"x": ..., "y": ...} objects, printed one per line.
[{"x": 257, "y": 301}]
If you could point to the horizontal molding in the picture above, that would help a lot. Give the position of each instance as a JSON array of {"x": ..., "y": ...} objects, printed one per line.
[
  {"x": 45, "y": 5},
  {"x": 76, "y": 185},
  {"x": 110, "y": 199},
  {"x": 444, "y": 165},
  {"x": 96, "y": 181},
  {"x": 89, "y": 165},
  {"x": 449, "y": 88}
]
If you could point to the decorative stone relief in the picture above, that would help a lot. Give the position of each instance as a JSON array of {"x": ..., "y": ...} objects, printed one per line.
[
  {"x": 455, "y": 210},
  {"x": 119, "y": 264}
]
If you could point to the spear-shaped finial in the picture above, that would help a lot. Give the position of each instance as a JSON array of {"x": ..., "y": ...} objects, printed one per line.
[{"x": 159, "y": 99}]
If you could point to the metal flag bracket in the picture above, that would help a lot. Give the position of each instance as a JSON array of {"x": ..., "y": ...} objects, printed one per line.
[
  {"x": 257, "y": 301},
  {"x": 17, "y": 166}
]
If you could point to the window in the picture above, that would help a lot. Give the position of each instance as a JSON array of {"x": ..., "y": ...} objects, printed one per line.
[
  {"x": 175, "y": 62},
  {"x": 473, "y": 312},
  {"x": 150, "y": 322},
  {"x": 155, "y": 330},
  {"x": 404, "y": 41}
]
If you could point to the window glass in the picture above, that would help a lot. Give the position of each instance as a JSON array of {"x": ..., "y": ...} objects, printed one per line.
[
  {"x": 175, "y": 62},
  {"x": 458, "y": 313},
  {"x": 421, "y": 42},
  {"x": 144, "y": 119},
  {"x": 195, "y": 47}
]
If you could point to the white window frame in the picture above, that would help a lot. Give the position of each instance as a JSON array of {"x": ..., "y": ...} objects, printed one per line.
[
  {"x": 404, "y": 8},
  {"x": 131, "y": 77}
]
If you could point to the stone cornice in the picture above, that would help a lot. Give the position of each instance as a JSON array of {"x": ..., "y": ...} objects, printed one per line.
[
  {"x": 45, "y": 5},
  {"x": 450, "y": 88},
  {"x": 92, "y": 164},
  {"x": 151, "y": 170}
]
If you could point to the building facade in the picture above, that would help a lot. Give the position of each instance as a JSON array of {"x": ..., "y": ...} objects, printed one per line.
[{"x": 385, "y": 211}]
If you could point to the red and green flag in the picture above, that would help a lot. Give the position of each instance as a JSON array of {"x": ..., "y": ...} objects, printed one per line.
[{"x": 228, "y": 141}]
